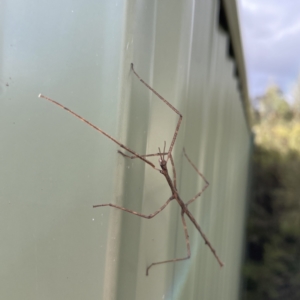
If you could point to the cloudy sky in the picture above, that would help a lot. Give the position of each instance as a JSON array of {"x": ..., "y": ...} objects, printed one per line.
[{"x": 271, "y": 38}]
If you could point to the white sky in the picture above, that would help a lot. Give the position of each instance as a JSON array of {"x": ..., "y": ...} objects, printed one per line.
[{"x": 271, "y": 38}]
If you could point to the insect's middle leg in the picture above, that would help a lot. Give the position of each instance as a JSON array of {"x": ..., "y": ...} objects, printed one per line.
[
  {"x": 187, "y": 240},
  {"x": 136, "y": 213},
  {"x": 201, "y": 175}
]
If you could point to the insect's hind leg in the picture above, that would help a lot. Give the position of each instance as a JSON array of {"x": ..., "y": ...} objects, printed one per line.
[
  {"x": 201, "y": 175},
  {"x": 187, "y": 240}
]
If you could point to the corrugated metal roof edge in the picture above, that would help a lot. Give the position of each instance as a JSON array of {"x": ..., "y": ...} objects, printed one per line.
[{"x": 229, "y": 22}]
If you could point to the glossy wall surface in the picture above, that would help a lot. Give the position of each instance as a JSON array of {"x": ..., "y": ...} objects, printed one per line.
[{"x": 55, "y": 168}]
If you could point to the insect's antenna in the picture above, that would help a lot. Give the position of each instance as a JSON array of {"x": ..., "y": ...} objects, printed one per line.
[
  {"x": 167, "y": 103},
  {"x": 160, "y": 154}
]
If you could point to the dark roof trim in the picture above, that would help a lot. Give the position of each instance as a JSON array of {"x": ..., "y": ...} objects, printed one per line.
[{"x": 229, "y": 22}]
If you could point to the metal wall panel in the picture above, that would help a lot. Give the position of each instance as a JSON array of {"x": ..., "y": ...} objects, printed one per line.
[{"x": 54, "y": 168}]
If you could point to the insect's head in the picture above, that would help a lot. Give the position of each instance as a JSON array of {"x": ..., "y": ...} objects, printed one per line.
[{"x": 162, "y": 161}]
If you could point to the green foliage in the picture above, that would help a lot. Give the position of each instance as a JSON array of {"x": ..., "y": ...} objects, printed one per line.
[
  {"x": 280, "y": 135},
  {"x": 277, "y": 125},
  {"x": 272, "y": 268},
  {"x": 296, "y": 97},
  {"x": 272, "y": 105}
]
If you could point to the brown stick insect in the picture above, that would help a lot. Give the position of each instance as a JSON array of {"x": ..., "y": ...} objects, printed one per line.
[{"x": 164, "y": 157}]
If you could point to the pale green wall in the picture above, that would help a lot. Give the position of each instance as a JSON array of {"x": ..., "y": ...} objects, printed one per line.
[{"x": 54, "y": 168}]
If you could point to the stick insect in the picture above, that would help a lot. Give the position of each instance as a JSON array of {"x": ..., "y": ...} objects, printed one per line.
[{"x": 164, "y": 157}]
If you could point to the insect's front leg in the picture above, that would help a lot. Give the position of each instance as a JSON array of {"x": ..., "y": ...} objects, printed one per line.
[
  {"x": 155, "y": 154},
  {"x": 98, "y": 129},
  {"x": 168, "y": 104},
  {"x": 145, "y": 155}
]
